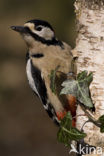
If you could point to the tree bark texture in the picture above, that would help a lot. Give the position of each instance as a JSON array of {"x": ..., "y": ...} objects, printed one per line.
[{"x": 90, "y": 51}]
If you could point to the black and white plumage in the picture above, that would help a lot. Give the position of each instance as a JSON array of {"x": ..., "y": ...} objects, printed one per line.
[
  {"x": 45, "y": 53},
  {"x": 38, "y": 86}
]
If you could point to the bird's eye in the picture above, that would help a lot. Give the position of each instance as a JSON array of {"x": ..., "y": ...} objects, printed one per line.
[{"x": 39, "y": 28}]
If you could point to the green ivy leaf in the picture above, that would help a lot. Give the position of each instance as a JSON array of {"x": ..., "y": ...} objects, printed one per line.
[
  {"x": 102, "y": 128},
  {"x": 79, "y": 88},
  {"x": 67, "y": 133},
  {"x": 101, "y": 119},
  {"x": 63, "y": 137},
  {"x": 66, "y": 121},
  {"x": 70, "y": 87},
  {"x": 82, "y": 75},
  {"x": 52, "y": 79}
]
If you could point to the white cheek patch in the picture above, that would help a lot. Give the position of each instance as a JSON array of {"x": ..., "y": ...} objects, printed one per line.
[{"x": 46, "y": 33}]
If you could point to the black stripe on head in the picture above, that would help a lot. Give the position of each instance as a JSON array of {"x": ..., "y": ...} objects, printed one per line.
[
  {"x": 38, "y": 22},
  {"x": 53, "y": 41}
]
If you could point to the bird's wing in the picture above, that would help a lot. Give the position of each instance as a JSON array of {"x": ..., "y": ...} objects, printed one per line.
[{"x": 38, "y": 86}]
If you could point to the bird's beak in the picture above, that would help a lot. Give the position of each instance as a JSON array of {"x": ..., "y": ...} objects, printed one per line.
[{"x": 20, "y": 29}]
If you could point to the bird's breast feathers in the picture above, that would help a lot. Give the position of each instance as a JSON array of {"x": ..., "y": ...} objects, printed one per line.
[{"x": 53, "y": 56}]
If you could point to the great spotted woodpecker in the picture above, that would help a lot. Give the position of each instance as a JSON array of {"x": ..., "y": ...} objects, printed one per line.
[{"x": 45, "y": 53}]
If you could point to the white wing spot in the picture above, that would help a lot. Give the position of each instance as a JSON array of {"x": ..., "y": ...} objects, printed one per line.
[
  {"x": 46, "y": 106},
  {"x": 29, "y": 76}
]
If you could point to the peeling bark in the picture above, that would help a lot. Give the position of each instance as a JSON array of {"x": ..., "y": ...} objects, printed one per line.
[{"x": 90, "y": 51}]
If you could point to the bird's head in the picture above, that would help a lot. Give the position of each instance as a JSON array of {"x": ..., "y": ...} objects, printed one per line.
[{"x": 35, "y": 30}]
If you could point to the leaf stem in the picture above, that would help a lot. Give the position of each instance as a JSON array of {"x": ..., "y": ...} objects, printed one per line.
[{"x": 89, "y": 115}]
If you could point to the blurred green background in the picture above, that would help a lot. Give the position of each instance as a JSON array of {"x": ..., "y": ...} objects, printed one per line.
[{"x": 25, "y": 129}]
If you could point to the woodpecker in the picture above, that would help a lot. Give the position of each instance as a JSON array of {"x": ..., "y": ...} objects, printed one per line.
[{"x": 45, "y": 53}]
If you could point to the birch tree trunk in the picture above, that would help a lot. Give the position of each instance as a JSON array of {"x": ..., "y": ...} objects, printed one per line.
[{"x": 90, "y": 51}]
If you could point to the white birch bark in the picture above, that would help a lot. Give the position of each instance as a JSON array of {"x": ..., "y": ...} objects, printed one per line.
[{"x": 90, "y": 51}]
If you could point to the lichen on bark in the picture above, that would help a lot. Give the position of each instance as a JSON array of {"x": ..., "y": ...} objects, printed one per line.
[
  {"x": 91, "y": 4},
  {"x": 90, "y": 51}
]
